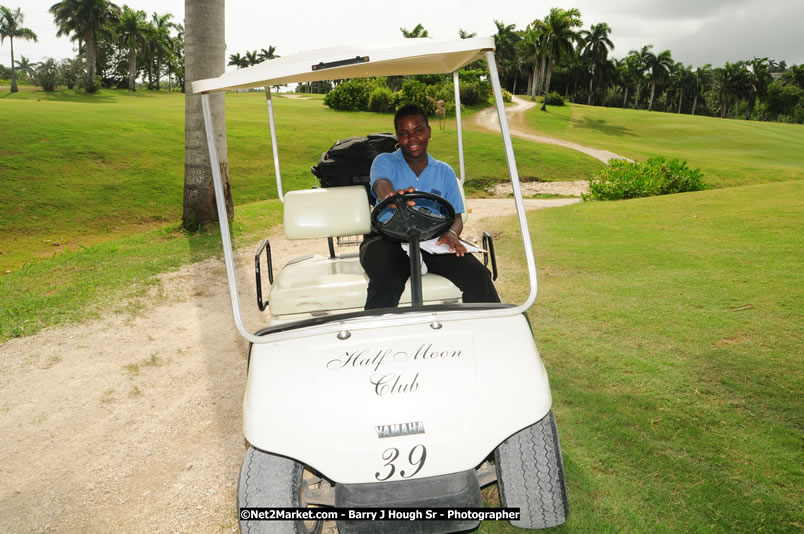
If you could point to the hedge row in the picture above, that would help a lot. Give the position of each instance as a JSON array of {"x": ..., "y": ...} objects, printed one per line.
[{"x": 374, "y": 94}]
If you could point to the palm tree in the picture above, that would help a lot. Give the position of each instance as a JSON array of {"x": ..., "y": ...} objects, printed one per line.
[
  {"x": 176, "y": 61},
  {"x": 463, "y": 34},
  {"x": 11, "y": 27},
  {"x": 794, "y": 75},
  {"x": 638, "y": 63},
  {"x": 204, "y": 40},
  {"x": 703, "y": 77},
  {"x": 559, "y": 38},
  {"x": 659, "y": 67},
  {"x": 530, "y": 50},
  {"x": 84, "y": 19},
  {"x": 683, "y": 79},
  {"x": 26, "y": 66},
  {"x": 416, "y": 32},
  {"x": 267, "y": 55},
  {"x": 160, "y": 40},
  {"x": 236, "y": 60},
  {"x": 596, "y": 47},
  {"x": 759, "y": 78},
  {"x": 629, "y": 65},
  {"x": 253, "y": 58},
  {"x": 731, "y": 83},
  {"x": 132, "y": 30},
  {"x": 505, "y": 50}
]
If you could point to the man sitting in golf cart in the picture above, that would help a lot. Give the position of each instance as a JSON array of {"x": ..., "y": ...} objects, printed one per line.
[{"x": 411, "y": 169}]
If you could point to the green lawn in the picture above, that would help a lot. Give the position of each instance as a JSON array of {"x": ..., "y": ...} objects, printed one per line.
[
  {"x": 730, "y": 152},
  {"x": 83, "y": 169},
  {"x": 672, "y": 331}
]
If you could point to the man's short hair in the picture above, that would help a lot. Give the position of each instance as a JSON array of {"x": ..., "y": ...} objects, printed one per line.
[{"x": 406, "y": 111}]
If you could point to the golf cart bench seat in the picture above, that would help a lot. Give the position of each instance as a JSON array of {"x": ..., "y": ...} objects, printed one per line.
[{"x": 321, "y": 284}]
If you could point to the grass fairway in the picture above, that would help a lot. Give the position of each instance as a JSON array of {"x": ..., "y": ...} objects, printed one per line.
[
  {"x": 107, "y": 277},
  {"x": 672, "y": 331},
  {"x": 82, "y": 169},
  {"x": 730, "y": 152}
]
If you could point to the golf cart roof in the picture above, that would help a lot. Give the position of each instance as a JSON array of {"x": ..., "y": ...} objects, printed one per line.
[{"x": 399, "y": 58}]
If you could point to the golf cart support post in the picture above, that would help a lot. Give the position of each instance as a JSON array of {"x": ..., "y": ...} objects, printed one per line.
[{"x": 412, "y": 56}]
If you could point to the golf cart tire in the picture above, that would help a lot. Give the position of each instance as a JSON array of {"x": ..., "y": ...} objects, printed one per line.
[
  {"x": 530, "y": 475},
  {"x": 270, "y": 481}
]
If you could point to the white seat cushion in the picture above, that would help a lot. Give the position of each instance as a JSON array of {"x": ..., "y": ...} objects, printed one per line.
[
  {"x": 337, "y": 211},
  {"x": 320, "y": 284}
]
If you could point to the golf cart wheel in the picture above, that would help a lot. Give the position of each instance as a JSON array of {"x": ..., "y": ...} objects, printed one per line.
[
  {"x": 269, "y": 481},
  {"x": 530, "y": 475}
]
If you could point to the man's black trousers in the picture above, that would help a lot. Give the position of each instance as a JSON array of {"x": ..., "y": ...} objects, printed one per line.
[{"x": 388, "y": 268}]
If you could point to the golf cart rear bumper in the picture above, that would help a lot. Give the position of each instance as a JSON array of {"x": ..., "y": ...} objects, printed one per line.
[{"x": 458, "y": 490}]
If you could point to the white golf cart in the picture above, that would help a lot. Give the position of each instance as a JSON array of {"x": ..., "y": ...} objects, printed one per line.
[{"x": 416, "y": 406}]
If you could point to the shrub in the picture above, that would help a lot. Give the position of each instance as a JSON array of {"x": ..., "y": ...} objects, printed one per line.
[
  {"x": 351, "y": 95},
  {"x": 415, "y": 92},
  {"x": 47, "y": 74},
  {"x": 623, "y": 179},
  {"x": 475, "y": 92},
  {"x": 553, "y": 99},
  {"x": 71, "y": 71},
  {"x": 381, "y": 100},
  {"x": 506, "y": 96},
  {"x": 613, "y": 100}
]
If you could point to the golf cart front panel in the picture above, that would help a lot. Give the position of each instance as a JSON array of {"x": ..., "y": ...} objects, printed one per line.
[{"x": 410, "y": 402}]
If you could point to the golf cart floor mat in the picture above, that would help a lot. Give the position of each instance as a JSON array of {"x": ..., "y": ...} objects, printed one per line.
[{"x": 458, "y": 490}]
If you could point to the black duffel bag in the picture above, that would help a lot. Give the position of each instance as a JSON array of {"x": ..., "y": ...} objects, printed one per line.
[{"x": 348, "y": 161}]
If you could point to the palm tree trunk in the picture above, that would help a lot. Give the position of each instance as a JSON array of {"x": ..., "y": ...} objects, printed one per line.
[
  {"x": 589, "y": 100},
  {"x": 132, "y": 68},
  {"x": 530, "y": 82},
  {"x": 680, "y": 95},
  {"x": 547, "y": 82},
  {"x": 636, "y": 97},
  {"x": 205, "y": 58},
  {"x": 537, "y": 79},
  {"x": 542, "y": 73},
  {"x": 695, "y": 102},
  {"x": 14, "y": 88},
  {"x": 652, "y": 92},
  {"x": 91, "y": 51},
  {"x": 625, "y": 97},
  {"x": 158, "y": 69}
]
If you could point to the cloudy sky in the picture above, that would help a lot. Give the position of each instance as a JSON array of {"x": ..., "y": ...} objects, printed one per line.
[{"x": 695, "y": 31}]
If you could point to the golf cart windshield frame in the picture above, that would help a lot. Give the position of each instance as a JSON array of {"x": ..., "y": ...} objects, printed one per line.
[{"x": 370, "y": 319}]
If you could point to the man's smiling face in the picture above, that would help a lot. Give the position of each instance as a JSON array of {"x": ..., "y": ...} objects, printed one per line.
[{"x": 413, "y": 134}]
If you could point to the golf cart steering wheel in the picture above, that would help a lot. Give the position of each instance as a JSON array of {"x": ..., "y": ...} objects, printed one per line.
[{"x": 407, "y": 221}]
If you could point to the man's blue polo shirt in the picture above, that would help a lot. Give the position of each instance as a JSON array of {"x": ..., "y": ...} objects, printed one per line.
[{"x": 437, "y": 178}]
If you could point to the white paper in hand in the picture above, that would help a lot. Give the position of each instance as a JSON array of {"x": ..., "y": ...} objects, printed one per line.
[{"x": 431, "y": 247}]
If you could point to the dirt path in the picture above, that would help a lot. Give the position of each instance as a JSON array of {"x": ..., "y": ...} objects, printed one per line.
[
  {"x": 132, "y": 423},
  {"x": 517, "y": 124}
]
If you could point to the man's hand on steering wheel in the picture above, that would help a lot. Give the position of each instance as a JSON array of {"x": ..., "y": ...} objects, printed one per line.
[{"x": 401, "y": 192}]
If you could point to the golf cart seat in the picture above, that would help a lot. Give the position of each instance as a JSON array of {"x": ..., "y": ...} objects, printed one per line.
[{"x": 318, "y": 285}]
